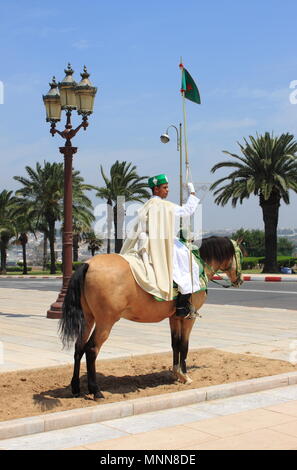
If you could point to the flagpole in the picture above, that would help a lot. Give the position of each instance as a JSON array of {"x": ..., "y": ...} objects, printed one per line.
[
  {"x": 185, "y": 127},
  {"x": 188, "y": 242}
]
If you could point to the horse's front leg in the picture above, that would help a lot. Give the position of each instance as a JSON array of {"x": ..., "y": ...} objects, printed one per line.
[
  {"x": 175, "y": 327},
  {"x": 186, "y": 328},
  {"x": 180, "y": 333}
]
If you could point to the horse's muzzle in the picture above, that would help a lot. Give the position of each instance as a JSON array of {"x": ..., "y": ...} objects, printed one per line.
[{"x": 238, "y": 282}]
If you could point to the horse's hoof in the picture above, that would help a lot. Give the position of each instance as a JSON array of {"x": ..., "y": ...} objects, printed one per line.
[
  {"x": 188, "y": 380},
  {"x": 98, "y": 395},
  {"x": 183, "y": 378},
  {"x": 75, "y": 392},
  {"x": 175, "y": 373}
]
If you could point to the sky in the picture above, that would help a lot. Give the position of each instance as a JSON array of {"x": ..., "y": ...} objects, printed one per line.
[{"x": 242, "y": 56}]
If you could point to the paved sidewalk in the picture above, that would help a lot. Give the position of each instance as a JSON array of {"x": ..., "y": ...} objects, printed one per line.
[
  {"x": 30, "y": 340},
  {"x": 262, "y": 420},
  {"x": 254, "y": 421}
]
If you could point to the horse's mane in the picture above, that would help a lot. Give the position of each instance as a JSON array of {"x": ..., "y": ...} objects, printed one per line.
[{"x": 216, "y": 248}]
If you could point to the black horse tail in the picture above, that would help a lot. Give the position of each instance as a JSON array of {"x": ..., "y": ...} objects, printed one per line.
[{"x": 71, "y": 324}]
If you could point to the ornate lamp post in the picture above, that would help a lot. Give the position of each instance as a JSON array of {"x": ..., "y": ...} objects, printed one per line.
[
  {"x": 165, "y": 139},
  {"x": 69, "y": 96}
]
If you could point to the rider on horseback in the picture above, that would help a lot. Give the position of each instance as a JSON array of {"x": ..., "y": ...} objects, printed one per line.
[{"x": 159, "y": 250}]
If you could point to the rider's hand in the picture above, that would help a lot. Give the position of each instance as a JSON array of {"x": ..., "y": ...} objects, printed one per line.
[{"x": 191, "y": 188}]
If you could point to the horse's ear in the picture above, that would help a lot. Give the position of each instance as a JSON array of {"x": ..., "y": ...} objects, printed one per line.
[{"x": 239, "y": 242}]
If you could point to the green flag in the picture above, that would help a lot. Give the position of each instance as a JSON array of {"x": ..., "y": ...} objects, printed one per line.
[{"x": 189, "y": 87}]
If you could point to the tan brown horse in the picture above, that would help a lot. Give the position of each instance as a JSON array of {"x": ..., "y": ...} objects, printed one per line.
[{"x": 103, "y": 290}]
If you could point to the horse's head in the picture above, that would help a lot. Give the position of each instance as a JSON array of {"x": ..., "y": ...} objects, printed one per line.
[
  {"x": 233, "y": 267},
  {"x": 222, "y": 254}
]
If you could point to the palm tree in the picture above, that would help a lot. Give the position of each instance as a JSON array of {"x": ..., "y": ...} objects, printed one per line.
[
  {"x": 123, "y": 185},
  {"x": 44, "y": 189},
  {"x": 7, "y": 226},
  {"x": 267, "y": 169},
  {"x": 24, "y": 223},
  {"x": 93, "y": 241}
]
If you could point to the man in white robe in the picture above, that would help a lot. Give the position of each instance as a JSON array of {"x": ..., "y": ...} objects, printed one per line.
[
  {"x": 185, "y": 272},
  {"x": 156, "y": 256}
]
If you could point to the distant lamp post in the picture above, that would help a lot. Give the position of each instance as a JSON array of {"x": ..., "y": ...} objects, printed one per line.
[
  {"x": 68, "y": 96},
  {"x": 165, "y": 139}
]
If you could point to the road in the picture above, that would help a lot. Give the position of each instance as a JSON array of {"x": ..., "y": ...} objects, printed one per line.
[
  {"x": 250, "y": 294},
  {"x": 256, "y": 294}
]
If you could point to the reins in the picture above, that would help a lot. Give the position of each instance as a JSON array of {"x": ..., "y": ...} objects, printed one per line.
[
  {"x": 214, "y": 272},
  {"x": 238, "y": 258}
]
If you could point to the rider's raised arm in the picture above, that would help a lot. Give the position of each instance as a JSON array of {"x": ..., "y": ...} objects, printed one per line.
[{"x": 191, "y": 204}]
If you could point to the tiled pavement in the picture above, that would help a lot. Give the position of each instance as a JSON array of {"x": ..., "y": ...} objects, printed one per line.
[{"x": 262, "y": 420}]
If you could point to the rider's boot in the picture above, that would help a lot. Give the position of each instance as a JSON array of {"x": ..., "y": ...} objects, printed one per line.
[{"x": 182, "y": 305}]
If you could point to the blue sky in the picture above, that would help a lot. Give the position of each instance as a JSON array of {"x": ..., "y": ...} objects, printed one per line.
[{"x": 242, "y": 56}]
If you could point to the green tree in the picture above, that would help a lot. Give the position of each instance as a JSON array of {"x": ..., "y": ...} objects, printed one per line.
[
  {"x": 123, "y": 185},
  {"x": 253, "y": 241},
  {"x": 285, "y": 247},
  {"x": 82, "y": 213},
  {"x": 43, "y": 188},
  {"x": 267, "y": 168},
  {"x": 24, "y": 224},
  {"x": 7, "y": 226},
  {"x": 93, "y": 241}
]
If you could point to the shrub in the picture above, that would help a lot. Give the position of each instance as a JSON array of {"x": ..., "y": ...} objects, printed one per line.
[
  {"x": 286, "y": 261},
  {"x": 59, "y": 266},
  {"x": 250, "y": 262},
  {"x": 17, "y": 269},
  {"x": 77, "y": 264}
]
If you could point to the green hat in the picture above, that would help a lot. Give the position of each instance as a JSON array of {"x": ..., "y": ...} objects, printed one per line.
[{"x": 157, "y": 180}]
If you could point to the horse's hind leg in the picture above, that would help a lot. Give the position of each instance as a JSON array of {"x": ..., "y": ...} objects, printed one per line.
[
  {"x": 78, "y": 354},
  {"x": 92, "y": 349}
]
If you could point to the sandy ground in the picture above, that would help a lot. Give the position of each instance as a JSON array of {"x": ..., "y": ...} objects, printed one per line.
[{"x": 33, "y": 392}]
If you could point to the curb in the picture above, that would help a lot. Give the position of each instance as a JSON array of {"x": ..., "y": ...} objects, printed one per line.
[
  {"x": 262, "y": 278},
  {"x": 99, "y": 413},
  {"x": 30, "y": 277},
  {"x": 217, "y": 278}
]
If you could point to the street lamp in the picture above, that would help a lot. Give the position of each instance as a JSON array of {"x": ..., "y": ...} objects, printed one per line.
[
  {"x": 69, "y": 96},
  {"x": 165, "y": 139}
]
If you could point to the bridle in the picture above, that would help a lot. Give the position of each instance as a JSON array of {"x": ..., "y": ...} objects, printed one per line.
[{"x": 238, "y": 261}]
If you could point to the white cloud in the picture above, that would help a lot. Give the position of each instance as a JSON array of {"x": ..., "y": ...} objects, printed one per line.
[
  {"x": 224, "y": 124},
  {"x": 251, "y": 93},
  {"x": 82, "y": 44}
]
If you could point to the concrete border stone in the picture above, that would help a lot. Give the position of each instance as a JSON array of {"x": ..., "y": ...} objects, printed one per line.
[{"x": 100, "y": 413}]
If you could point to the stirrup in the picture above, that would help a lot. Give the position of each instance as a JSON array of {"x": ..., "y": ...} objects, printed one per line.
[
  {"x": 193, "y": 313},
  {"x": 184, "y": 311}
]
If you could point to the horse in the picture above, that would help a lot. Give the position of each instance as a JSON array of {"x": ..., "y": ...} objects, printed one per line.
[{"x": 103, "y": 290}]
